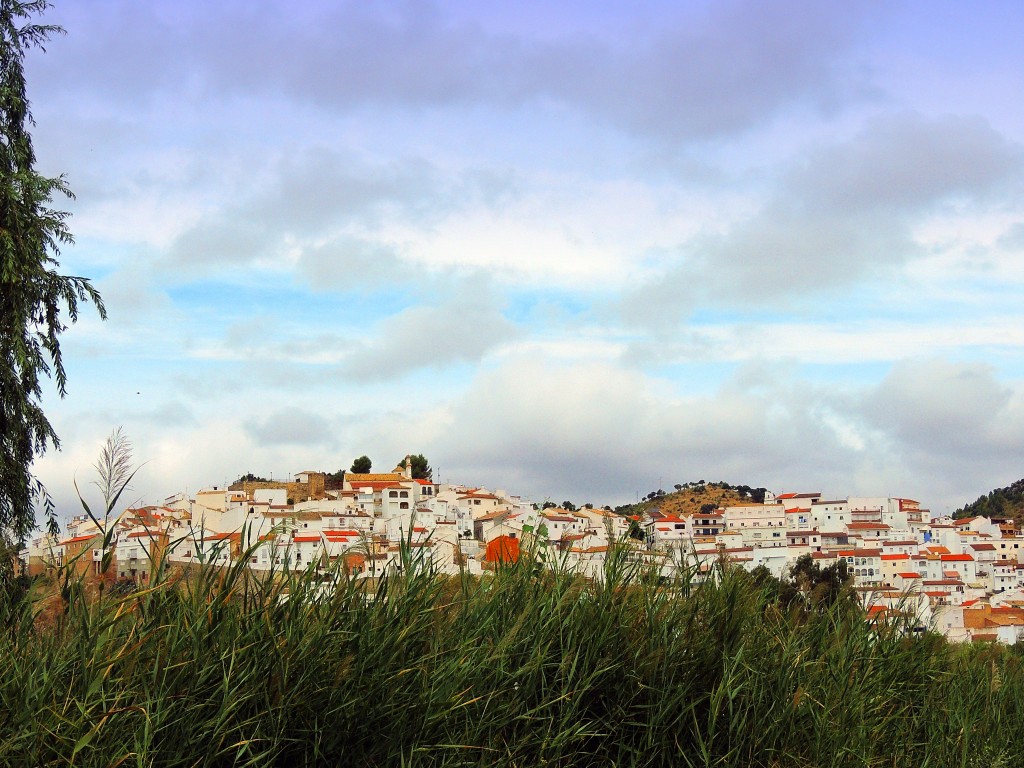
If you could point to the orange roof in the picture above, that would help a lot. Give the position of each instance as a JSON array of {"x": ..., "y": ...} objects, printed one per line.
[
  {"x": 305, "y": 539},
  {"x": 372, "y": 477},
  {"x": 576, "y": 536},
  {"x": 143, "y": 534},
  {"x": 223, "y": 537},
  {"x": 909, "y": 575},
  {"x": 503, "y": 549},
  {"x": 490, "y": 516},
  {"x": 895, "y": 557},
  {"x": 377, "y": 485},
  {"x": 77, "y": 539},
  {"x": 957, "y": 558}
]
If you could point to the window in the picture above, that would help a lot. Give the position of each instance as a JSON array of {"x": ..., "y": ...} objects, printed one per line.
[{"x": 404, "y": 494}]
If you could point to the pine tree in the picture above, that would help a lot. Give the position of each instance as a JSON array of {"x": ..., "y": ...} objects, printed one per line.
[{"x": 36, "y": 302}]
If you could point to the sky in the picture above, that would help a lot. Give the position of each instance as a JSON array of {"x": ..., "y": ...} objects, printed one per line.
[{"x": 573, "y": 250}]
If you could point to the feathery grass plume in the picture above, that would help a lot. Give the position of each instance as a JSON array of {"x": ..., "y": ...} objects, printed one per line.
[{"x": 114, "y": 467}]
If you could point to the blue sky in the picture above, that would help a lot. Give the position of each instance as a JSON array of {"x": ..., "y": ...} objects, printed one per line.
[{"x": 573, "y": 250}]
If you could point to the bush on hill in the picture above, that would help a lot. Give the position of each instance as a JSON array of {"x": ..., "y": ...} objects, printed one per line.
[{"x": 1001, "y": 502}]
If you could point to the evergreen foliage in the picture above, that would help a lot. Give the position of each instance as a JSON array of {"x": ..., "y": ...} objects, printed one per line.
[
  {"x": 421, "y": 469},
  {"x": 362, "y": 465},
  {"x": 36, "y": 302},
  {"x": 1001, "y": 502}
]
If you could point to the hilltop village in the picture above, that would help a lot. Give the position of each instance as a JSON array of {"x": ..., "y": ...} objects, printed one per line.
[{"x": 963, "y": 578}]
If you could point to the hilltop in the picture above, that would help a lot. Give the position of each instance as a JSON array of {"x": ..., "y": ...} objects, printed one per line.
[
  {"x": 694, "y": 497},
  {"x": 1001, "y": 502}
]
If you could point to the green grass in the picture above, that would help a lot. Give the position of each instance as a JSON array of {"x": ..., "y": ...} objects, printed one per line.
[{"x": 524, "y": 667}]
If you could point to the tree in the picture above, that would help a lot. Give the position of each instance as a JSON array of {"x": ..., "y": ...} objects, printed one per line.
[
  {"x": 421, "y": 469},
  {"x": 821, "y": 585},
  {"x": 362, "y": 465},
  {"x": 34, "y": 297}
]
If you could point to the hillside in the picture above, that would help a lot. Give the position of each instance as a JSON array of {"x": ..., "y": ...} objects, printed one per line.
[
  {"x": 1002, "y": 502},
  {"x": 689, "y": 498}
]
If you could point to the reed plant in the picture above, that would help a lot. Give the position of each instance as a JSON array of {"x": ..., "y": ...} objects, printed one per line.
[{"x": 528, "y": 665}]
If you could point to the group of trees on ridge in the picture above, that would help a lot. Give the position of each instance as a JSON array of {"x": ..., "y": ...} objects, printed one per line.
[
  {"x": 695, "y": 488},
  {"x": 421, "y": 470},
  {"x": 1001, "y": 502}
]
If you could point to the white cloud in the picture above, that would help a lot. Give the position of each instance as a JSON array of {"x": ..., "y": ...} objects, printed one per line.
[
  {"x": 844, "y": 211},
  {"x": 463, "y": 329},
  {"x": 597, "y": 430},
  {"x": 291, "y": 426},
  {"x": 931, "y": 430}
]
